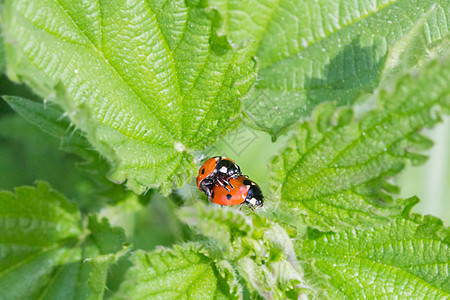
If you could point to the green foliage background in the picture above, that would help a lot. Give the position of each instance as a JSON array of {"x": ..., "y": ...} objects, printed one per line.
[{"x": 112, "y": 105}]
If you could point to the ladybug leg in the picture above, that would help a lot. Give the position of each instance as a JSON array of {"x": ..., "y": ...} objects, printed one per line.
[
  {"x": 227, "y": 183},
  {"x": 224, "y": 183},
  {"x": 248, "y": 205},
  {"x": 224, "y": 186}
]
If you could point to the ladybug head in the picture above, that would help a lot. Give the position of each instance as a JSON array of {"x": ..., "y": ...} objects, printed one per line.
[{"x": 255, "y": 197}]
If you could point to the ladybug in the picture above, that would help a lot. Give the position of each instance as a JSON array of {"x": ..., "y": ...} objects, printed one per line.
[
  {"x": 245, "y": 191},
  {"x": 217, "y": 170}
]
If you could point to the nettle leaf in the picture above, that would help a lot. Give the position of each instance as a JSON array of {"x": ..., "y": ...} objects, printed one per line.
[
  {"x": 149, "y": 83},
  {"x": 25, "y": 147},
  {"x": 412, "y": 51},
  {"x": 50, "y": 119},
  {"x": 316, "y": 51},
  {"x": 44, "y": 251},
  {"x": 83, "y": 274},
  {"x": 407, "y": 258},
  {"x": 261, "y": 251},
  {"x": 225, "y": 225},
  {"x": 37, "y": 227},
  {"x": 183, "y": 272},
  {"x": 53, "y": 121},
  {"x": 333, "y": 173}
]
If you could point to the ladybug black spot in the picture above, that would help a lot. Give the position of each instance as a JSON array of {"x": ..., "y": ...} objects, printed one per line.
[
  {"x": 228, "y": 196},
  {"x": 203, "y": 171},
  {"x": 212, "y": 195},
  {"x": 247, "y": 182}
]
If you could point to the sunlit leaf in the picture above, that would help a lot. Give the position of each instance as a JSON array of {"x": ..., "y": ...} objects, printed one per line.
[
  {"x": 334, "y": 171},
  {"x": 180, "y": 273},
  {"x": 261, "y": 251},
  {"x": 319, "y": 51},
  {"x": 405, "y": 259},
  {"x": 149, "y": 83}
]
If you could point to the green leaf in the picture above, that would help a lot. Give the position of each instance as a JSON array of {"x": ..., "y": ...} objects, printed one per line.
[
  {"x": 316, "y": 51},
  {"x": 261, "y": 251},
  {"x": 413, "y": 50},
  {"x": 403, "y": 259},
  {"x": 2, "y": 51},
  {"x": 107, "y": 239},
  {"x": 51, "y": 120},
  {"x": 83, "y": 180},
  {"x": 45, "y": 252},
  {"x": 84, "y": 276},
  {"x": 226, "y": 226},
  {"x": 37, "y": 228},
  {"x": 2, "y": 46},
  {"x": 334, "y": 171},
  {"x": 147, "y": 91},
  {"x": 183, "y": 272}
]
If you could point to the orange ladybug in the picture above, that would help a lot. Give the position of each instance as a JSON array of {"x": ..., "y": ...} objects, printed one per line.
[
  {"x": 216, "y": 170},
  {"x": 244, "y": 191}
]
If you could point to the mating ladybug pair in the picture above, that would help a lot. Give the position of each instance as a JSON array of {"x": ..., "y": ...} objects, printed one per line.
[{"x": 221, "y": 180}]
